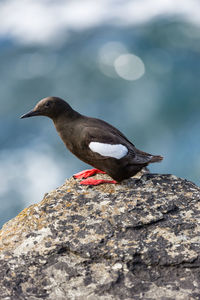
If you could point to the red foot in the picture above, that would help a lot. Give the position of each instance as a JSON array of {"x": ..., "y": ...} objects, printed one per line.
[
  {"x": 87, "y": 173},
  {"x": 92, "y": 181}
]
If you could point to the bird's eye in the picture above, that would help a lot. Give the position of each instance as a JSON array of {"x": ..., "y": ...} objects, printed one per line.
[{"x": 47, "y": 104}]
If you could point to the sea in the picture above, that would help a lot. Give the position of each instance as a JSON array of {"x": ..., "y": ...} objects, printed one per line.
[{"x": 134, "y": 64}]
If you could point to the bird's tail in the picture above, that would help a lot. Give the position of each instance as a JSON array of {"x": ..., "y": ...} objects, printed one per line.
[{"x": 156, "y": 158}]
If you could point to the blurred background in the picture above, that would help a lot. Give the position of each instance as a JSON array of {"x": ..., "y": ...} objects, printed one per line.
[{"x": 133, "y": 63}]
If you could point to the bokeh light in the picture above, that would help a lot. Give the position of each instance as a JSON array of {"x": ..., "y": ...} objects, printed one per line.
[
  {"x": 129, "y": 66},
  {"x": 108, "y": 53}
]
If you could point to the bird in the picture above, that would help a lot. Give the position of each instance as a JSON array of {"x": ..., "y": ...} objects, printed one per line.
[{"x": 94, "y": 141}]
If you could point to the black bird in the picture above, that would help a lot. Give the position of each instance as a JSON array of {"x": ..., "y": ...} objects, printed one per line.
[{"x": 94, "y": 141}]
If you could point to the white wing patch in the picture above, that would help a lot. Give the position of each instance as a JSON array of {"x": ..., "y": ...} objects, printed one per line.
[{"x": 116, "y": 151}]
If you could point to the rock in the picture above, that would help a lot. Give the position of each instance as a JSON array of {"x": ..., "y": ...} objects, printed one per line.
[{"x": 135, "y": 240}]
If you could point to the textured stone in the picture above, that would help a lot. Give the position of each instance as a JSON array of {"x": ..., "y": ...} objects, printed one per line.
[{"x": 135, "y": 240}]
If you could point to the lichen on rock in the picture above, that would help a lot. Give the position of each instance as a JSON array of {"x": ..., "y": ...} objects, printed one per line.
[{"x": 136, "y": 240}]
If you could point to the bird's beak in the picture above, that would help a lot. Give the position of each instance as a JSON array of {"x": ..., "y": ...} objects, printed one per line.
[{"x": 31, "y": 113}]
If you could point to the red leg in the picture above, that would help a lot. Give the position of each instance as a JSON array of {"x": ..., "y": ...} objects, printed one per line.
[
  {"x": 87, "y": 173},
  {"x": 91, "y": 181}
]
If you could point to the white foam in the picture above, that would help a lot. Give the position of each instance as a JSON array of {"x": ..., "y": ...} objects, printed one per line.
[{"x": 59, "y": 18}]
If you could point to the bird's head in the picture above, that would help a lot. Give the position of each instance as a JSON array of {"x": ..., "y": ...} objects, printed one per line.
[{"x": 50, "y": 107}]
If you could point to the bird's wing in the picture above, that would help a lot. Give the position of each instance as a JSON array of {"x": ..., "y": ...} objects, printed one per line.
[
  {"x": 104, "y": 142},
  {"x": 140, "y": 157},
  {"x": 98, "y": 126},
  {"x": 112, "y": 143}
]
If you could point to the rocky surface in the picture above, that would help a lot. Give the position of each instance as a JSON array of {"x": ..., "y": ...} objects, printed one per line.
[{"x": 135, "y": 240}]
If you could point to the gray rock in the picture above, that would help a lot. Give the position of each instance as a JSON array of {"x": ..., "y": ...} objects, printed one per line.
[{"x": 135, "y": 240}]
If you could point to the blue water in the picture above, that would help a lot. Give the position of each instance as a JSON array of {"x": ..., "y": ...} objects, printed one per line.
[{"x": 159, "y": 112}]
